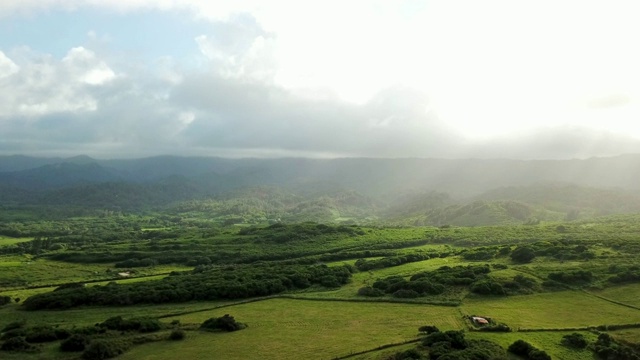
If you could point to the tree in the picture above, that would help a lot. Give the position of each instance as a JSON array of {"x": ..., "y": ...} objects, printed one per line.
[
  {"x": 575, "y": 340},
  {"x": 224, "y": 323},
  {"x": 523, "y": 254}
]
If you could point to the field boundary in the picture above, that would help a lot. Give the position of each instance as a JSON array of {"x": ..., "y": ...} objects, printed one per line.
[
  {"x": 381, "y": 347},
  {"x": 611, "y": 300},
  {"x": 372, "y": 300}
]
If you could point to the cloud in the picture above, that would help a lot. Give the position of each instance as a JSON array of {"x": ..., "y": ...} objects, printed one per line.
[
  {"x": 610, "y": 101},
  {"x": 557, "y": 142},
  {"x": 7, "y": 67},
  {"x": 261, "y": 82},
  {"x": 41, "y": 85}
]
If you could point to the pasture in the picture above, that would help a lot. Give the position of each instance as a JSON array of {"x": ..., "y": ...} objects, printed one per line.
[
  {"x": 303, "y": 329},
  {"x": 553, "y": 310}
]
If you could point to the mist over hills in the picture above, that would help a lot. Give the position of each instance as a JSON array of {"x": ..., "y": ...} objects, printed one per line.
[{"x": 422, "y": 191}]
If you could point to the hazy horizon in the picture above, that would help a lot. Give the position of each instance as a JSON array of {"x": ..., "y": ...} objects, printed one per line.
[{"x": 410, "y": 79}]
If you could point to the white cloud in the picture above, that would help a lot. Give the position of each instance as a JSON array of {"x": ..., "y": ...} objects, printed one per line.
[
  {"x": 44, "y": 85},
  {"x": 356, "y": 77},
  {"x": 86, "y": 67},
  {"x": 7, "y": 67}
]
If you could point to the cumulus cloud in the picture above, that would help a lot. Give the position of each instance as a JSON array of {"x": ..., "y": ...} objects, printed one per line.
[{"x": 42, "y": 85}]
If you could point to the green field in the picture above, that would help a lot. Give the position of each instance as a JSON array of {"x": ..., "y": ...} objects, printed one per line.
[
  {"x": 5, "y": 240},
  {"x": 303, "y": 329},
  {"x": 250, "y": 273},
  {"x": 628, "y": 294},
  {"x": 565, "y": 309}
]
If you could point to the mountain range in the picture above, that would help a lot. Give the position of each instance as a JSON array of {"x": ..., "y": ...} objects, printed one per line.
[{"x": 424, "y": 191}]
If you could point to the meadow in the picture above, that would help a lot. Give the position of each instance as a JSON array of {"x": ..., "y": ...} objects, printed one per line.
[{"x": 577, "y": 276}]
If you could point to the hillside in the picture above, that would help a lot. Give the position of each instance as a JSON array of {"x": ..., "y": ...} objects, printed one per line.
[{"x": 397, "y": 191}]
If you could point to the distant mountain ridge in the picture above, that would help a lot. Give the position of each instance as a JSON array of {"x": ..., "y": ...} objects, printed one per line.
[
  {"x": 372, "y": 177},
  {"x": 420, "y": 191}
]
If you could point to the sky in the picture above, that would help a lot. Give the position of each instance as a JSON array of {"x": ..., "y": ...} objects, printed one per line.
[{"x": 445, "y": 79}]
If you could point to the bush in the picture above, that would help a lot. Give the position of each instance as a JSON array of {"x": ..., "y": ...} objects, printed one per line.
[
  {"x": 520, "y": 348},
  {"x": 428, "y": 329},
  {"x": 142, "y": 325},
  {"x": 224, "y": 323},
  {"x": 574, "y": 340},
  {"x": 528, "y": 351},
  {"x": 13, "y": 333},
  {"x": 14, "y": 325},
  {"x": 177, "y": 334},
  {"x": 17, "y": 344},
  {"x": 370, "y": 291},
  {"x": 406, "y": 294},
  {"x": 104, "y": 349},
  {"x": 76, "y": 342},
  {"x": 496, "y": 328},
  {"x": 523, "y": 254}
]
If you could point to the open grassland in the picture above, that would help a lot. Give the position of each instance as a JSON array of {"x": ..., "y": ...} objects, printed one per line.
[
  {"x": 18, "y": 272},
  {"x": 547, "y": 340},
  {"x": 302, "y": 329},
  {"x": 627, "y": 294},
  {"x": 5, "y": 240},
  {"x": 90, "y": 316},
  {"x": 628, "y": 335},
  {"x": 22, "y": 294},
  {"x": 565, "y": 309}
]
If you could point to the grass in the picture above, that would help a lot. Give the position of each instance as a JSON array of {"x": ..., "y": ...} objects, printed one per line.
[
  {"x": 25, "y": 293},
  {"x": 90, "y": 316},
  {"x": 29, "y": 272},
  {"x": 563, "y": 309},
  {"x": 547, "y": 341},
  {"x": 5, "y": 240},
  {"x": 629, "y": 335},
  {"x": 628, "y": 294},
  {"x": 296, "y": 329}
]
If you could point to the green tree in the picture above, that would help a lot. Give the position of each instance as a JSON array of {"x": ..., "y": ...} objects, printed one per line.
[{"x": 523, "y": 254}]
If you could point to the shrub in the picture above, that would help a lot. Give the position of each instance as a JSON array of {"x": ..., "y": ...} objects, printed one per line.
[
  {"x": 177, "y": 334},
  {"x": 140, "y": 324},
  {"x": 520, "y": 348},
  {"x": 14, "y": 325},
  {"x": 428, "y": 329},
  {"x": 17, "y": 344},
  {"x": 523, "y": 254},
  {"x": 224, "y": 323},
  {"x": 574, "y": 340},
  {"x": 104, "y": 349},
  {"x": 13, "y": 333},
  {"x": 370, "y": 291},
  {"x": 76, "y": 342},
  {"x": 528, "y": 351},
  {"x": 406, "y": 294},
  {"x": 496, "y": 328}
]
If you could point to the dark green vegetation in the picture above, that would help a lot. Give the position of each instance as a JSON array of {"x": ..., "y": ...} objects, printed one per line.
[
  {"x": 224, "y": 323},
  {"x": 94, "y": 265}
]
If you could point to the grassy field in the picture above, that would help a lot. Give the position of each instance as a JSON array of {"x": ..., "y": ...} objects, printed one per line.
[
  {"x": 5, "y": 240},
  {"x": 90, "y": 316},
  {"x": 549, "y": 341},
  {"x": 37, "y": 272},
  {"x": 551, "y": 310},
  {"x": 303, "y": 329},
  {"x": 629, "y": 335},
  {"x": 628, "y": 294}
]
